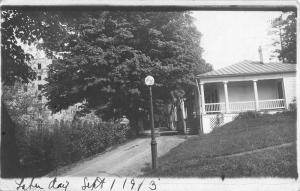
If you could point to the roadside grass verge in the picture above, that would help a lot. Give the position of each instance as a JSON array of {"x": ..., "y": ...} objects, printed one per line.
[{"x": 196, "y": 156}]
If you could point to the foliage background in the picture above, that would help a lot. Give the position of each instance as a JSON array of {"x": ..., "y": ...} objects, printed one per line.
[
  {"x": 105, "y": 56},
  {"x": 47, "y": 148},
  {"x": 285, "y": 28}
]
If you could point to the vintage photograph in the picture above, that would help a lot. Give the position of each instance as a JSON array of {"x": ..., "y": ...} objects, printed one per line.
[{"x": 148, "y": 92}]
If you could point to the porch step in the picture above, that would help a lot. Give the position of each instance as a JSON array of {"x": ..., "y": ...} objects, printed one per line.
[
  {"x": 164, "y": 129},
  {"x": 188, "y": 130},
  {"x": 147, "y": 133},
  {"x": 159, "y": 132},
  {"x": 168, "y": 133}
]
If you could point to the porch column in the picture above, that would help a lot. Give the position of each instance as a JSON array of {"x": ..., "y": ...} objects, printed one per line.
[
  {"x": 199, "y": 109},
  {"x": 283, "y": 93},
  {"x": 226, "y": 96},
  {"x": 183, "y": 115},
  {"x": 202, "y": 97},
  {"x": 255, "y": 95}
]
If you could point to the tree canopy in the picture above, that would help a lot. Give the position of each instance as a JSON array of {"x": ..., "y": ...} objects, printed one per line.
[
  {"x": 25, "y": 27},
  {"x": 102, "y": 57},
  {"x": 101, "y": 60},
  {"x": 105, "y": 56},
  {"x": 15, "y": 26},
  {"x": 285, "y": 28}
]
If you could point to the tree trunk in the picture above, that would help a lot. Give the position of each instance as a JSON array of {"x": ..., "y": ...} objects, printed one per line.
[{"x": 9, "y": 152}]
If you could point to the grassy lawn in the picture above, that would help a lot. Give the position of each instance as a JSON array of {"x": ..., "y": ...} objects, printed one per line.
[{"x": 196, "y": 157}]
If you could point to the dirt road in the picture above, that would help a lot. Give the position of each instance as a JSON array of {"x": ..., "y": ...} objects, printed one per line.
[{"x": 126, "y": 160}]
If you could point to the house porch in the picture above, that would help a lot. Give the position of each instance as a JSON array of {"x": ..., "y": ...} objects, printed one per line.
[
  {"x": 223, "y": 101},
  {"x": 240, "y": 96}
]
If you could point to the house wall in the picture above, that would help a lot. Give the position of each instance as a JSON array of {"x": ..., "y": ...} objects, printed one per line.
[
  {"x": 237, "y": 91},
  {"x": 267, "y": 89},
  {"x": 289, "y": 83},
  {"x": 240, "y": 91},
  {"x": 243, "y": 91},
  {"x": 42, "y": 73}
]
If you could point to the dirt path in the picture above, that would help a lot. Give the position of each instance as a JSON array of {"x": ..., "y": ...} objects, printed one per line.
[
  {"x": 125, "y": 160},
  {"x": 257, "y": 150}
]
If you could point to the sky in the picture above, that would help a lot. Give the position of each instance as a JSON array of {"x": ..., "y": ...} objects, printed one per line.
[{"x": 229, "y": 37}]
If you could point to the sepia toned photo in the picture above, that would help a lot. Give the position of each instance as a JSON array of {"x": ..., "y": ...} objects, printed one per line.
[{"x": 148, "y": 91}]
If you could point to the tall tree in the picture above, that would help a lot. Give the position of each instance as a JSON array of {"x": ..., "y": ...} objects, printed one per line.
[
  {"x": 15, "y": 25},
  {"x": 105, "y": 57},
  {"x": 18, "y": 27},
  {"x": 285, "y": 28}
]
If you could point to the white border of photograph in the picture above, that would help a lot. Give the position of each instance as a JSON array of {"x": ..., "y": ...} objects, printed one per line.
[{"x": 174, "y": 184}]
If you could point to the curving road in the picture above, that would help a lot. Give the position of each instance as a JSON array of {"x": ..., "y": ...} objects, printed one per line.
[{"x": 126, "y": 160}]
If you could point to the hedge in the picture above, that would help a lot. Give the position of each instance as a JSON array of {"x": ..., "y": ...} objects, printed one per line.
[{"x": 45, "y": 149}]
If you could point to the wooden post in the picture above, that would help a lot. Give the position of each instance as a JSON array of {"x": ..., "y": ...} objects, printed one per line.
[
  {"x": 56, "y": 124},
  {"x": 61, "y": 124},
  {"x": 79, "y": 124},
  {"x": 255, "y": 95},
  {"x": 85, "y": 124},
  {"x": 202, "y": 98},
  {"x": 199, "y": 105},
  {"x": 183, "y": 115},
  {"x": 284, "y": 95},
  {"x": 68, "y": 124},
  {"x": 226, "y": 96}
]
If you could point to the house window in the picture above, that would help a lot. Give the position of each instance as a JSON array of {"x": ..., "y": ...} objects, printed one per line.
[
  {"x": 25, "y": 88},
  {"x": 39, "y": 78},
  {"x": 40, "y": 87},
  {"x": 39, "y": 66}
]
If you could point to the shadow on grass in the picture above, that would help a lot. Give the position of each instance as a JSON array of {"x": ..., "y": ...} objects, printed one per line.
[{"x": 196, "y": 157}]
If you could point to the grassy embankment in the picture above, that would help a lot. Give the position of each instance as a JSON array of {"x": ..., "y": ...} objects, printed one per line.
[{"x": 203, "y": 156}]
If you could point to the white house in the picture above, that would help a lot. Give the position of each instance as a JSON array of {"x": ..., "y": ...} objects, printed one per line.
[{"x": 244, "y": 86}]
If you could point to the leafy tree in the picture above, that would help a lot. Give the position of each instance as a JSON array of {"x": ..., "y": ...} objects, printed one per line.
[
  {"x": 18, "y": 27},
  {"x": 14, "y": 26},
  {"x": 24, "y": 107},
  {"x": 26, "y": 112},
  {"x": 285, "y": 28},
  {"x": 24, "y": 27},
  {"x": 105, "y": 57}
]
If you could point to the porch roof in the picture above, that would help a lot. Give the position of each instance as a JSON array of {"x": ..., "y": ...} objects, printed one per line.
[{"x": 250, "y": 68}]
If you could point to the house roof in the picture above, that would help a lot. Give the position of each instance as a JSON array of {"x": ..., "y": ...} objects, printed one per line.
[{"x": 250, "y": 68}]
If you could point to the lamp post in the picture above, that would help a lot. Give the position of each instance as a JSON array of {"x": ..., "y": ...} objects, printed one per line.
[{"x": 149, "y": 81}]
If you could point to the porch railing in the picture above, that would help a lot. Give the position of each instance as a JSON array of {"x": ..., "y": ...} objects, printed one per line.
[
  {"x": 245, "y": 106},
  {"x": 271, "y": 104},
  {"x": 215, "y": 107},
  {"x": 242, "y": 106}
]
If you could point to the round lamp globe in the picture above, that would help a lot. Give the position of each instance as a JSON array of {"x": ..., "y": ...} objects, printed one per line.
[{"x": 149, "y": 80}]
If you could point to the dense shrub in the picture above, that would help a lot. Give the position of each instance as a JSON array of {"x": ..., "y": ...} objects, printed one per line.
[
  {"x": 45, "y": 149},
  {"x": 293, "y": 105},
  {"x": 248, "y": 115}
]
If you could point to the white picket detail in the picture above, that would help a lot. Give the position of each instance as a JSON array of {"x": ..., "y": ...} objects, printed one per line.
[
  {"x": 215, "y": 107},
  {"x": 241, "y": 106},
  {"x": 245, "y": 106},
  {"x": 272, "y": 104}
]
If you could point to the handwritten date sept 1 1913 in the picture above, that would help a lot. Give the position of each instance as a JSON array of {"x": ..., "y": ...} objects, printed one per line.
[{"x": 89, "y": 184}]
